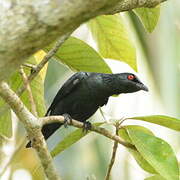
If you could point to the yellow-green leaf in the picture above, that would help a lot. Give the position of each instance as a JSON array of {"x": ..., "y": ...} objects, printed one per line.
[
  {"x": 156, "y": 152},
  {"x": 167, "y": 121},
  {"x": 148, "y": 16},
  {"x": 70, "y": 140},
  {"x": 156, "y": 177},
  {"x": 113, "y": 39},
  {"x": 137, "y": 156},
  {"x": 79, "y": 56}
]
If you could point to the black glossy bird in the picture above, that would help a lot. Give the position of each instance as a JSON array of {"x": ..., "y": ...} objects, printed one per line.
[{"x": 84, "y": 92}]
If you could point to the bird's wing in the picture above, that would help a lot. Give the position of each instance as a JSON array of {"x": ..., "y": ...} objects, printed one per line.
[{"x": 68, "y": 86}]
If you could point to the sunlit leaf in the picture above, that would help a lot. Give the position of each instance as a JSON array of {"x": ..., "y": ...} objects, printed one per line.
[
  {"x": 79, "y": 56},
  {"x": 70, "y": 140},
  {"x": 137, "y": 156},
  {"x": 113, "y": 40},
  {"x": 156, "y": 177},
  {"x": 162, "y": 120},
  {"x": 38, "y": 58},
  {"x": 157, "y": 153},
  {"x": 148, "y": 16}
]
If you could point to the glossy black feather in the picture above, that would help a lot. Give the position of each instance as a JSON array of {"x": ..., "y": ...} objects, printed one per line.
[{"x": 84, "y": 92}]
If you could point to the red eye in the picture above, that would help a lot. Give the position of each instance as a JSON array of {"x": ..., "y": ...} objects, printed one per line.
[{"x": 130, "y": 77}]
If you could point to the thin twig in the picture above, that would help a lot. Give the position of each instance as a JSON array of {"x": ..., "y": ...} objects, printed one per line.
[
  {"x": 46, "y": 58},
  {"x": 28, "y": 65},
  {"x": 28, "y": 87},
  {"x": 99, "y": 130},
  {"x": 115, "y": 146}
]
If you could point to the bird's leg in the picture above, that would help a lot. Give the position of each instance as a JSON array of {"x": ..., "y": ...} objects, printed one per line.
[
  {"x": 86, "y": 126},
  {"x": 67, "y": 120}
]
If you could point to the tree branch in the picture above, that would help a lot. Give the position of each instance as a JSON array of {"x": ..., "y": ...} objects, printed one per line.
[
  {"x": 28, "y": 65},
  {"x": 27, "y": 85},
  {"x": 99, "y": 130},
  {"x": 33, "y": 127},
  {"x": 115, "y": 146},
  {"x": 27, "y": 26},
  {"x": 128, "y": 5}
]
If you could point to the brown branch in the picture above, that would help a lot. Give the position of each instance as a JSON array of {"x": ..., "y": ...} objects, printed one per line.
[
  {"x": 33, "y": 128},
  {"x": 115, "y": 146},
  {"x": 127, "y": 5},
  {"x": 42, "y": 23},
  {"x": 27, "y": 86},
  {"x": 28, "y": 65},
  {"x": 46, "y": 58},
  {"x": 99, "y": 130}
]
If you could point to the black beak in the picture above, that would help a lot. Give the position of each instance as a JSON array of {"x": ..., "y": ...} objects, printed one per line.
[{"x": 142, "y": 87}]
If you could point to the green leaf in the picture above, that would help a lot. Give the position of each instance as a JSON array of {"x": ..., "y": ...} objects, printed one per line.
[
  {"x": 148, "y": 16},
  {"x": 5, "y": 120},
  {"x": 113, "y": 40},
  {"x": 70, "y": 140},
  {"x": 137, "y": 156},
  {"x": 169, "y": 122},
  {"x": 156, "y": 177},
  {"x": 157, "y": 152},
  {"x": 79, "y": 56}
]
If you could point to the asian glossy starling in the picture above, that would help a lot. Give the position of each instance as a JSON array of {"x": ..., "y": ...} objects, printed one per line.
[{"x": 84, "y": 92}]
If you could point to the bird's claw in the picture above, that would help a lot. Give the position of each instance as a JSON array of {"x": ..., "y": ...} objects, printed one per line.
[
  {"x": 67, "y": 120},
  {"x": 86, "y": 126}
]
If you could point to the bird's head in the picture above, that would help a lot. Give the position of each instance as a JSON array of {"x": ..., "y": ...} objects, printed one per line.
[{"x": 129, "y": 83}]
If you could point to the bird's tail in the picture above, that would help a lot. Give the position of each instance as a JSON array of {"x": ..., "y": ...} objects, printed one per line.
[{"x": 47, "y": 129}]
